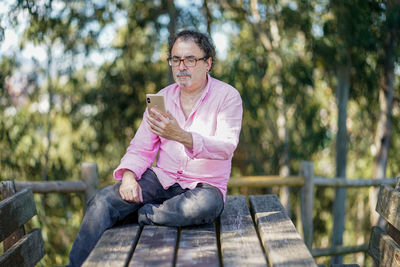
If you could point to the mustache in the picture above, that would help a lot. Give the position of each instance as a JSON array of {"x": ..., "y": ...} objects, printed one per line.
[{"x": 183, "y": 73}]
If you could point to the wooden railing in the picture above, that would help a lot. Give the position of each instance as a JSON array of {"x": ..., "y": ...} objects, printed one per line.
[
  {"x": 88, "y": 185},
  {"x": 305, "y": 180}
]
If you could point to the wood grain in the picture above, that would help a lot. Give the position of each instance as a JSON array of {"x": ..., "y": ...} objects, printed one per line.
[
  {"x": 388, "y": 205},
  {"x": 114, "y": 247},
  {"x": 156, "y": 247},
  {"x": 240, "y": 245},
  {"x": 15, "y": 211},
  {"x": 383, "y": 249},
  {"x": 198, "y": 246},
  {"x": 7, "y": 191},
  {"x": 282, "y": 242},
  {"x": 26, "y": 252}
]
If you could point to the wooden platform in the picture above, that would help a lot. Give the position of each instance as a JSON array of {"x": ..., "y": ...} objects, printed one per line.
[{"x": 254, "y": 234}]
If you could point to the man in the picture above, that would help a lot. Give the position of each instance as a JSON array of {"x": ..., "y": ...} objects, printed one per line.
[{"x": 194, "y": 140}]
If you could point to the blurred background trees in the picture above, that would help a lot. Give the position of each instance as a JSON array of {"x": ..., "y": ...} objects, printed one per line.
[{"x": 319, "y": 81}]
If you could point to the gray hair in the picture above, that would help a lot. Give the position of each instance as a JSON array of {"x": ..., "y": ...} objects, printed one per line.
[{"x": 202, "y": 40}]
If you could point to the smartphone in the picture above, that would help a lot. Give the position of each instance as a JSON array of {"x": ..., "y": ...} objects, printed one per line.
[{"x": 155, "y": 101}]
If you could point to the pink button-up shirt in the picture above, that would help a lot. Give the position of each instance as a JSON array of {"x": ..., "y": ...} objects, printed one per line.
[{"x": 214, "y": 122}]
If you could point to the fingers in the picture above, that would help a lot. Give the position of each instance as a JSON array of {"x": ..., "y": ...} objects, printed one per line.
[
  {"x": 131, "y": 193},
  {"x": 169, "y": 115},
  {"x": 140, "y": 196}
]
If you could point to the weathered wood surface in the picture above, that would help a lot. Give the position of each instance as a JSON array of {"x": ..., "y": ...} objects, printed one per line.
[
  {"x": 231, "y": 241},
  {"x": 198, "y": 246},
  {"x": 115, "y": 247},
  {"x": 339, "y": 250},
  {"x": 388, "y": 205},
  {"x": 359, "y": 182},
  {"x": 282, "y": 242},
  {"x": 53, "y": 186},
  {"x": 383, "y": 249},
  {"x": 240, "y": 245},
  {"x": 15, "y": 211},
  {"x": 26, "y": 252},
  {"x": 7, "y": 191},
  {"x": 156, "y": 247},
  {"x": 307, "y": 202},
  {"x": 90, "y": 175},
  {"x": 266, "y": 181}
]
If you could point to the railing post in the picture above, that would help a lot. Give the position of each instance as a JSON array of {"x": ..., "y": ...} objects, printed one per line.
[
  {"x": 90, "y": 176},
  {"x": 307, "y": 202}
]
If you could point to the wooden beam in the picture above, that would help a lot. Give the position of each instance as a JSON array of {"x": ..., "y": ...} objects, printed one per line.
[
  {"x": 90, "y": 176},
  {"x": 307, "y": 202},
  {"x": 340, "y": 182},
  {"x": 26, "y": 252},
  {"x": 282, "y": 242},
  {"x": 7, "y": 191},
  {"x": 266, "y": 181},
  {"x": 339, "y": 250},
  {"x": 156, "y": 247},
  {"x": 51, "y": 186},
  {"x": 198, "y": 246},
  {"x": 115, "y": 247},
  {"x": 15, "y": 211},
  {"x": 388, "y": 205},
  {"x": 240, "y": 245},
  {"x": 383, "y": 249}
]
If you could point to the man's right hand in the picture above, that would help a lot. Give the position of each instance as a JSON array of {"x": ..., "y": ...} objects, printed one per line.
[{"x": 130, "y": 189}]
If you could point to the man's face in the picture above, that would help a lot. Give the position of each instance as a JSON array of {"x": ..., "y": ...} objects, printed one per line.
[{"x": 194, "y": 78}]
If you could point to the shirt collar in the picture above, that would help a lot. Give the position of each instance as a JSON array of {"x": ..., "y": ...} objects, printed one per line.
[{"x": 206, "y": 91}]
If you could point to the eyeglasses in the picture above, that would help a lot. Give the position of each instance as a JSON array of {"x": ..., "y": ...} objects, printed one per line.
[{"x": 187, "y": 61}]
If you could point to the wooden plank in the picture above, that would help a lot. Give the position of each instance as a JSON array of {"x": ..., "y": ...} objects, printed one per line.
[
  {"x": 44, "y": 187},
  {"x": 388, "y": 205},
  {"x": 339, "y": 250},
  {"x": 240, "y": 245},
  {"x": 115, "y": 247},
  {"x": 7, "y": 191},
  {"x": 156, "y": 247},
  {"x": 26, "y": 252},
  {"x": 15, "y": 211},
  {"x": 383, "y": 249},
  {"x": 307, "y": 202},
  {"x": 266, "y": 181},
  {"x": 282, "y": 242},
  {"x": 198, "y": 246},
  {"x": 373, "y": 249},
  {"x": 356, "y": 182},
  {"x": 393, "y": 232}
]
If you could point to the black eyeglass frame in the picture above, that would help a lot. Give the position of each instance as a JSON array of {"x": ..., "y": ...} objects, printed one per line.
[{"x": 186, "y": 58}]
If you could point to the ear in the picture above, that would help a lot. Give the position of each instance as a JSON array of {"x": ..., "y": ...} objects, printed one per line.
[{"x": 209, "y": 63}]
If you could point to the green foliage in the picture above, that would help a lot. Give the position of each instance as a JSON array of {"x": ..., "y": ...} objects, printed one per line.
[{"x": 71, "y": 108}]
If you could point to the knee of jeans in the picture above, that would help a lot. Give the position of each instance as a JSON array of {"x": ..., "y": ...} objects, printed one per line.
[
  {"x": 102, "y": 197},
  {"x": 208, "y": 203}
]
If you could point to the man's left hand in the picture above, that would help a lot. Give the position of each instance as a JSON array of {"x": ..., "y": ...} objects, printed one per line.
[{"x": 166, "y": 126}]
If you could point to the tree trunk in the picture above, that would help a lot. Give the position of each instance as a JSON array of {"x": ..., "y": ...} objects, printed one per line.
[
  {"x": 172, "y": 29},
  {"x": 339, "y": 205},
  {"x": 386, "y": 94},
  {"x": 270, "y": 38},
  {"x": 208, "y": 17}
]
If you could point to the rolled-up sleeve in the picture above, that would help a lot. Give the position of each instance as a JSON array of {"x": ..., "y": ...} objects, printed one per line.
[
  {"x": 140, "y": 153},
  {"x": 221, "y": 145}
]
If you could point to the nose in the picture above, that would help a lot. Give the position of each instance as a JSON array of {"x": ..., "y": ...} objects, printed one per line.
[{"x": 181, "y": 65}]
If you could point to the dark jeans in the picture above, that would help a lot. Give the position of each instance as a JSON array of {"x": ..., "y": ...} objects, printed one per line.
[{"x": 172, "y": 207}]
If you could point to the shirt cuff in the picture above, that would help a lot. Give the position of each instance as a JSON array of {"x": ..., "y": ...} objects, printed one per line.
[
  {"x": 197, "y": 146},
  {"x": 119, "y": 173}
]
